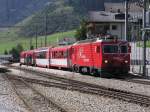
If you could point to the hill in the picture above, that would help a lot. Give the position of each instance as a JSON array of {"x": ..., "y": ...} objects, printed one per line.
[
  {"x": 59, "y": 16},
  {"x": 9, "y": 43},
  {"x": 14, "y": 11},
  {"x": 62, "y": 15}
]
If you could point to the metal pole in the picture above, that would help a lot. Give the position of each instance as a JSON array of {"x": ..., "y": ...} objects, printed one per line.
[
  {"x": 144, "y": 38},
  {"x": 36, "y": 36},
  {"x": 41, "y": 43},
  {"x": 126, "y": 19},
  {"x": 30, "y": 43},
  {"x": 46, "y": 16}
]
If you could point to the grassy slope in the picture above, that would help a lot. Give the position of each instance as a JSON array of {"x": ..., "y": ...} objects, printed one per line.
[
  {"x": 70, "y": 17},
  {"x": 10, "y": 39}
]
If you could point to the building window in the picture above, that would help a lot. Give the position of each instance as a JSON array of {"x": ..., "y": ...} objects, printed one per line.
[
  {"x": 106, "y": 27},
  {"x": 135, "y": 27},
  {"x": 114, "y": 27}
]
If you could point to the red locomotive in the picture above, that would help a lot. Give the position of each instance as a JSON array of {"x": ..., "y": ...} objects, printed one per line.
[
  {"x": 110, "y": 56},
  {"x": 90, "y": 56}
]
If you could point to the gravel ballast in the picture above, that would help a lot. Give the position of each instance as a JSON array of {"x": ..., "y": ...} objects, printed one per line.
[
  {"x": 79, "y": 102},
  {"x": 110, "y": 83},
  {"x": 9, "y": 101}
]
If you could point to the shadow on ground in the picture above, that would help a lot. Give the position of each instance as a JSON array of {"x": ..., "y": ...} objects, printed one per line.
[{"x": 4, "y": 70}]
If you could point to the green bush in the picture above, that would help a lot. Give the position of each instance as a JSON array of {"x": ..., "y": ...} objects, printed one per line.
[
  {"x": 15, "y": 52},
  {"x": 82, "y": 31}
]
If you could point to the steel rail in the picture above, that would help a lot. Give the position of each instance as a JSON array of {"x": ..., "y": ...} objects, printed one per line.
[
  {"x": 52, "y": 74},
  {"x": 50, "y": 100},
  {"x": 19, "y": 94},
  {"x": 100, "y": 90}
]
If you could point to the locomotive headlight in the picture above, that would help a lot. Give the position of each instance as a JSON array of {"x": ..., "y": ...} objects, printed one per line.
[
  {"x": 106, "y": 61},
  {"x": 126, "y": 61}
]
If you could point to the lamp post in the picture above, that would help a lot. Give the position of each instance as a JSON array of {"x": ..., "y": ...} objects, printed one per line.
[
  {"x": 126, "y": 19},
  {"x": 144, "y": 37},
  {"x": 46, "y": 27}
]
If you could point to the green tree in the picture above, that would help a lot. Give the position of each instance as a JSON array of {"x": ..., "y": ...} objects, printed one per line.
[
  {"x": 81, "y": 31},
  {"x": 19, "y": 48},
  {"x": 6, "y": 52},
  {"x": 32, "y": 47},
  {"x": 15, "y": 51}
]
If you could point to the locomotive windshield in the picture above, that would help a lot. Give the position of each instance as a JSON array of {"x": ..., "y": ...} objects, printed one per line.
[
  {"x": 124, "y": 49},
  {"x": 110, "y": 48}
]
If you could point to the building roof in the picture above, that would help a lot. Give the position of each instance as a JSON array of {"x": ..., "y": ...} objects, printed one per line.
[
  {"x": 114, "y": 7},
  {"x": 103, "y": 16}
]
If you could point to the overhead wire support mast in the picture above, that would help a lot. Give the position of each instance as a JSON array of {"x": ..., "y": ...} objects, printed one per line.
[
  {"x": 46, "y": 28},
  {"x": 36, "y": 36},
  {"x": 126, "y": 18},
  {"x": 144, "y": 37}
]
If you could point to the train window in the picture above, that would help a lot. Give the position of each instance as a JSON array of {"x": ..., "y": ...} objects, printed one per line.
[
  {"x": 38, "y": 55},
  {"x": 59, "y": 54},
  {"x": 62, "y": 54},
  {"x": 123, "y": 49},
  {"x": 56, "y": 54},
  {"x": 52, "y": 54},
  {"x": 110, "y": 49},
  {"x": 65, "y": 54},
  {"x": 41, "y": 55}
]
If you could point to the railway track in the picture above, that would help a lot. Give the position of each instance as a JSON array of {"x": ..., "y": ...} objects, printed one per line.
[
  {"x": 94, "y": 89},
  {"x": 130, "y": 79},
  {"x": 137, "y": 81},
  {"x": 34, "y": 100},
  {"x": 133, "y": 79}
]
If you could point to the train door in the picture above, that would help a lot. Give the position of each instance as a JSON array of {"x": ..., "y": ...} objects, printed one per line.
[
  {"x": 73, "y": 56},
  {"x": 33, "y": 59},
  {"x": 97, "y": 56},
  {"x": 25, "y": 59},
  {"x": 69, "y": 56},
  {"x": 29, "y": 59},
  {"x": 49, "y": 57}
]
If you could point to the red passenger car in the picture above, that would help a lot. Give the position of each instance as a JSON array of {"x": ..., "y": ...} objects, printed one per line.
[
  {"x": 27, "y": 58},
  {"x": 22, "y": 58},
  {"x": 60, "y": 57},
  {"x": 96, "y": 56},
  {"x": 30, "y": 58},
  {"x": 42, "y": 57}
]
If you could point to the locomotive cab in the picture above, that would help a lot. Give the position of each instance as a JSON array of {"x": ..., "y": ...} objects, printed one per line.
[
  {"x": 116, "y": 57},
  {"x": 102, "y": 55}
]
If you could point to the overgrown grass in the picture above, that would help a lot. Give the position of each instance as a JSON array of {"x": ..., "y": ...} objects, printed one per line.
[{"x": 9, "y": 39}]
